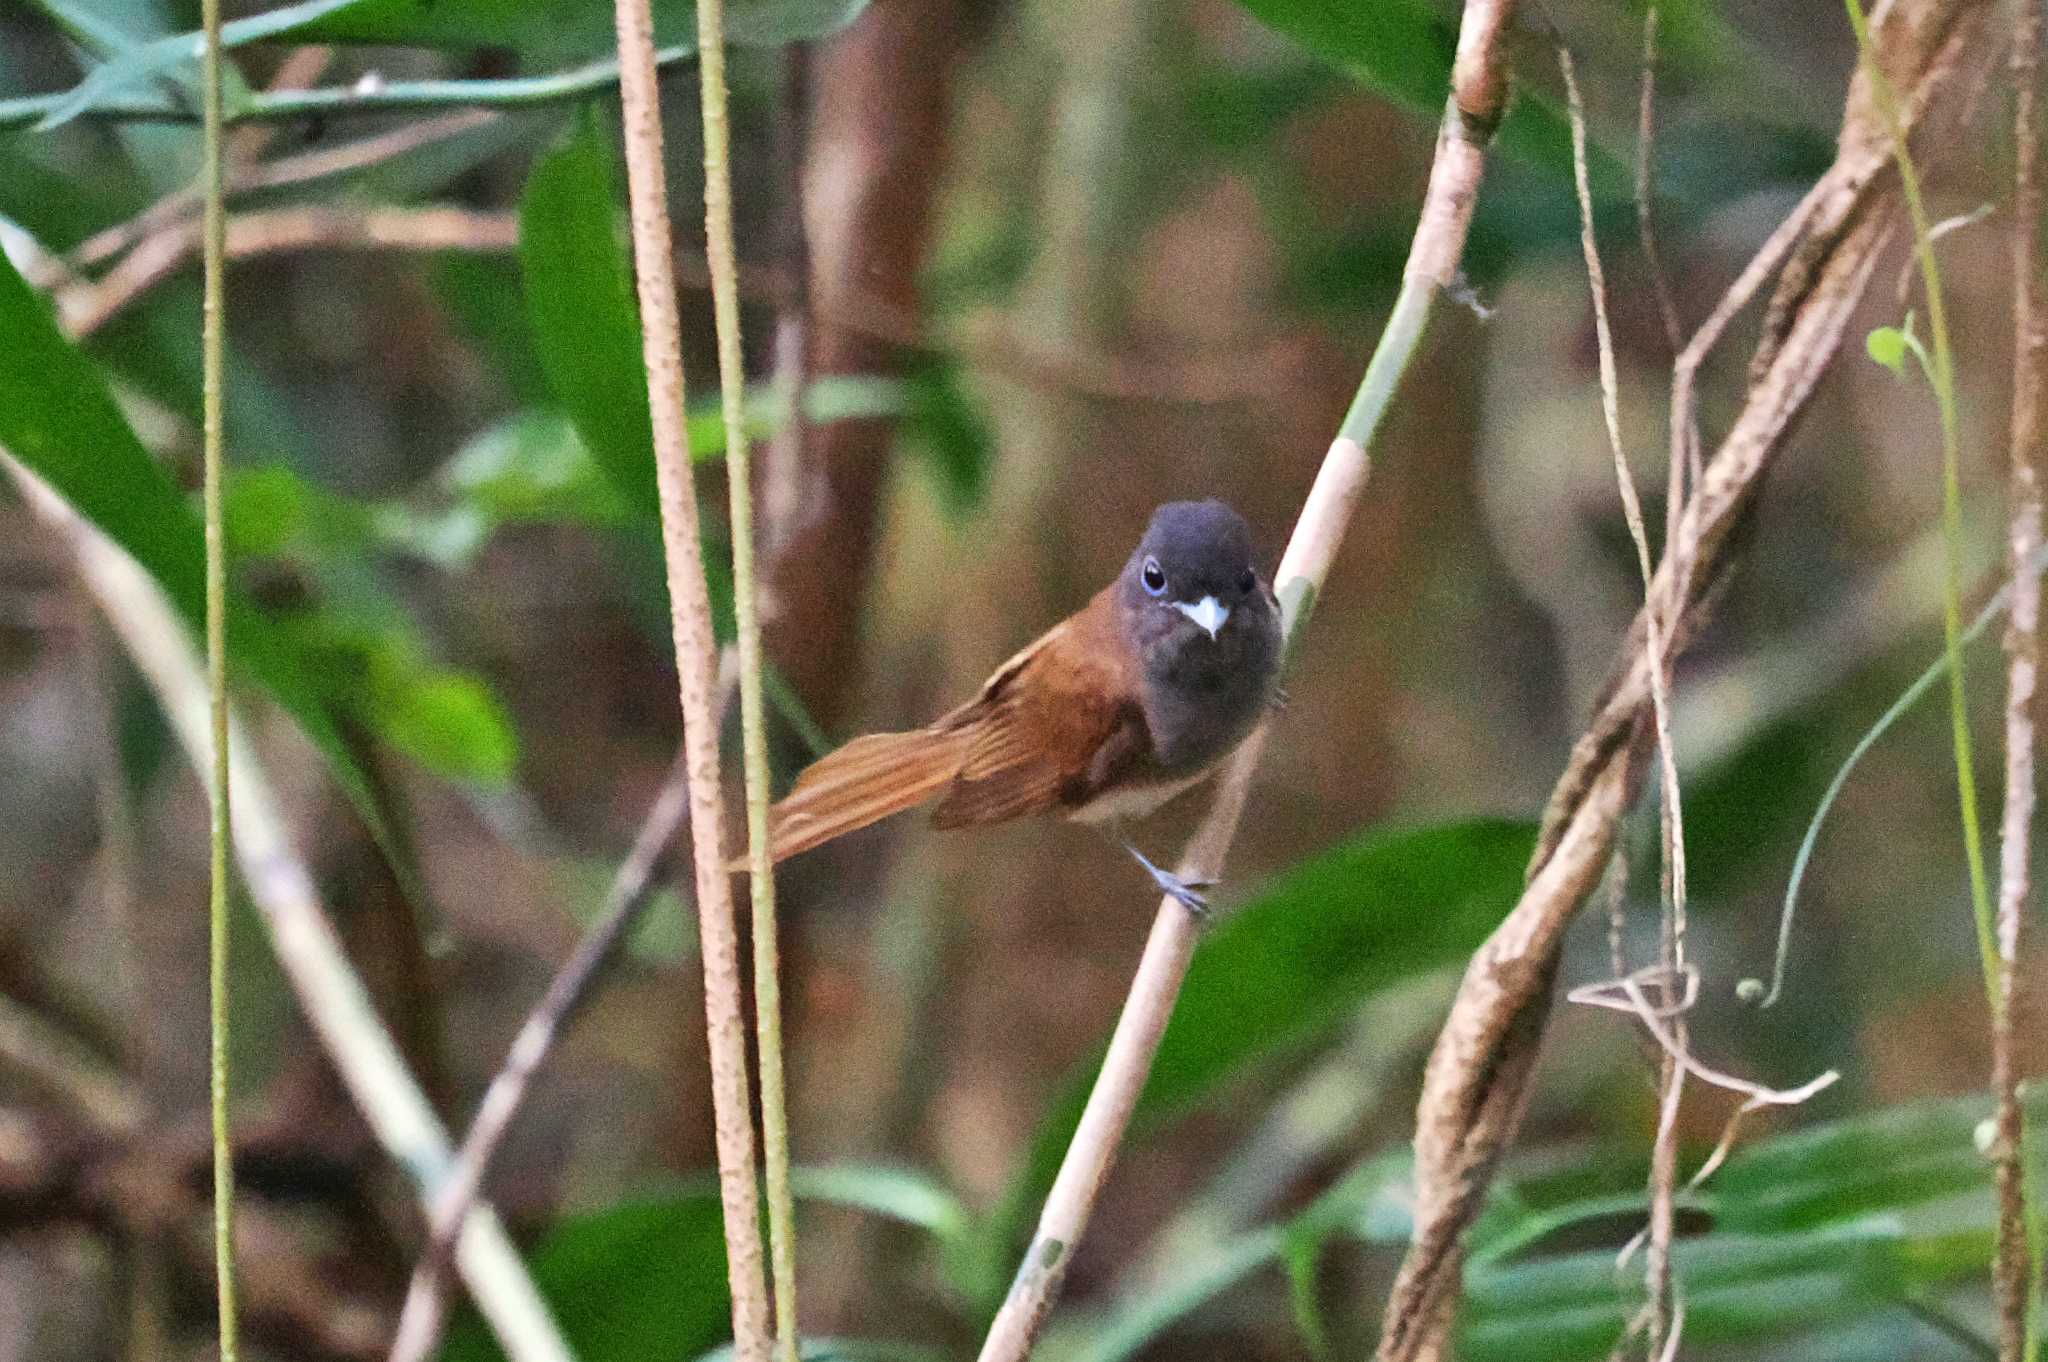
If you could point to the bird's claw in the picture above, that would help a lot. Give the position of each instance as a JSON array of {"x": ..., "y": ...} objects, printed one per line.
[{"x": 1187, "y": 893}]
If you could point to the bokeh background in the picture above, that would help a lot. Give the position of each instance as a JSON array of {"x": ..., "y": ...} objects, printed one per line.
[{"x": 1058, "y": 262}]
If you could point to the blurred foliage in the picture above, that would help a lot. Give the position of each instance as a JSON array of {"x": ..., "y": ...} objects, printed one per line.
[{"x": 427, "y": 451}]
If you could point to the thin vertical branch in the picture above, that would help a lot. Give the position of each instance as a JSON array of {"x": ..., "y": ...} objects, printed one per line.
[
  {"x": 2013, "y": 1272},
  {"x": 696, "y": 668},
  {"x": 1685, "y": 459},
  {"x": 1941, "y": 375},
  {"x": 1664, "y": 1153},
  {"x": 723, "y": 258},
  {"x": 213, "y": 328}
]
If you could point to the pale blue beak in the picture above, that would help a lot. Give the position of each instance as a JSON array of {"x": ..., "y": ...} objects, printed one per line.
[{"x": 1207, "y": 612}]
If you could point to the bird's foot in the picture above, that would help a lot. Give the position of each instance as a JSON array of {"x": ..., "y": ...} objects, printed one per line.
[{"x": 1187, "y": 893}]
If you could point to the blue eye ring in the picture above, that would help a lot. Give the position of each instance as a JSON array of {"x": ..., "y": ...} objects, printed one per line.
[{"x": 1153, "y": 577}]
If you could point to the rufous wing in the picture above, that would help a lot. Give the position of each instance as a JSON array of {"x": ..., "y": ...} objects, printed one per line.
[{"x": 1050, "y": 729}]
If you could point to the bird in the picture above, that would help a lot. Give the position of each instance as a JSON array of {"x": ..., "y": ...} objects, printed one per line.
[{"x": 1127, "y": 703}]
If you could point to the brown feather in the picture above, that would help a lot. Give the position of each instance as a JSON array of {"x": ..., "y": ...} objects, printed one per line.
[
  {"x": 863, "y": 782},
  {"x": 1054, "y": 726},
  {"x": 1044, "y": 722}
]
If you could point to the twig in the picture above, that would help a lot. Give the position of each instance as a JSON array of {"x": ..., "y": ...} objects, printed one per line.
[
  {"x": 366, "y": 96},
  {"x": 86, "y": 307},
  {"x": 1754, "y": 990},
  {"x": 1941, "y": 376},
  {"x": 1653, "y": 260},
  {"x": 304, "y": 939},
  {"x": 213, "y": 352},
  {"x": 425, "y": 1311},
  {"x": 1478, "y": 89},
  {"x": 723, "y": 256},
  {"x": 304, "y": 167},
  {"x": 696, "y": 665},
  {"x": 1664, "y": 1150},
  {"x": 2012, "y": 1273},
  {"x": 53, "y": 1058},
  {"x": 1477, "y": 1082},
  {"x": 782, "y": 467}
]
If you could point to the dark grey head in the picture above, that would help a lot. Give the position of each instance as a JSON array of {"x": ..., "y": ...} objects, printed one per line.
[
  {"x": 1193, "y": 570},
  {"x": 1205, "y": 630}
]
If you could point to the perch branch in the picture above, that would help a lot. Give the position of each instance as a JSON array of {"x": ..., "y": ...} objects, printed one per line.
[{"x": 1477, "y": 94}]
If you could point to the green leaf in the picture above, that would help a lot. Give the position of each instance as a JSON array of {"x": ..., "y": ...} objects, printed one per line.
[
  {"x": 647, "y": 1278},
  {"x": 1887, "y": 345},
  {"x": 57, "y": 417},
  {"x": 448, "y": 721},
  {"x": 849, "y": 1350},
  {"x": 532, "y": 466},
  {"x": 900, "y": 1194},
  {"x": 579, "y": 298},
  {"x": 1736, "y": 1286},
  {"x": 545, "y": 30},
  {"x": 642, "y": 1279},
  {"x": 951, "y": 434},
  {"x": 665, "y": 933},
  {"x": 564, "y": 29},
  {"x": 1297, "y": 959},
  {"x": 1281, "y": 973},
  {"x": 164, "y": 57}
]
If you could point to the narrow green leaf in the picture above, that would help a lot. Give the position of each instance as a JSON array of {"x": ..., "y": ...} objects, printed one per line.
[
  {"x": 1736, "y": 1286},
  {"x": 448, "y": 721},
  {"x": 542, "y": 30},
  {"x": 579, "y": 298},
  {"x": 900, "y": 1194},
  {"x": 951, "y": 434},
  {"x": 1194, "y": 1284},
  {"x": 563, "y": 29}
]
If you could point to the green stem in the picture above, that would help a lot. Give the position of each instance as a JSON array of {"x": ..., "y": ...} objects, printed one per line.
[
  {"x": 1398, "y": 344},
  {"x": 1942, "y": 375},
  {"x": 721, "y": 254},
  {"x": 213, "y": 344},
  {"x": 270, "y": 106}
]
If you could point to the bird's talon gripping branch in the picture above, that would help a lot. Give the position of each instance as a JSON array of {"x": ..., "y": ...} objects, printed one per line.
[{"x": 1187, "y": 893}]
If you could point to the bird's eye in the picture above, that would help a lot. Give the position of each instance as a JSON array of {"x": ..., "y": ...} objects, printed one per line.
[
  {"x": 1246, "y": 580},
  {"x": 1154, "y": 578}
]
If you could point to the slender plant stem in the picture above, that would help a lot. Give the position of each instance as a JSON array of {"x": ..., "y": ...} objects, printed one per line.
[
  {"x": 732, "y": 387},
  {"x": 2015, "y": 1274},
  {"x": 338, "y": 101},
  {"x": 696, "y": 671},
  {"x": 213, "y": 348},
  {"x": 1941, "y": 375},
  {"x": 1477, "y": 92}
]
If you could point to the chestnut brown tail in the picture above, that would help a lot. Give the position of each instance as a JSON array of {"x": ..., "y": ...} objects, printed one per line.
[{"x": 862, "y": 783}]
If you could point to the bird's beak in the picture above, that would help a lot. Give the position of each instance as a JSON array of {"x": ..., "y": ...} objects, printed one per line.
[{"x": 1207, "y": 612}]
